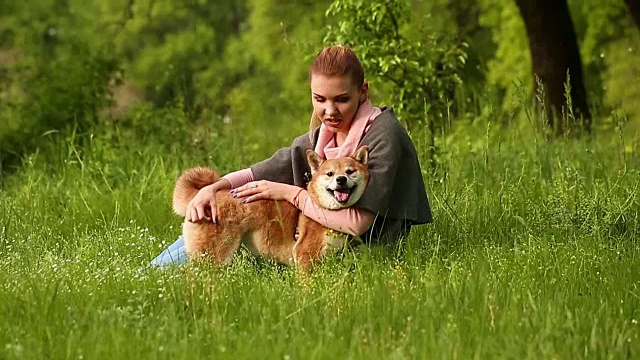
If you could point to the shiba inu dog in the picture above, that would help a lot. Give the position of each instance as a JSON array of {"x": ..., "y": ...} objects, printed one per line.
[{"x": 266, "y": 227}]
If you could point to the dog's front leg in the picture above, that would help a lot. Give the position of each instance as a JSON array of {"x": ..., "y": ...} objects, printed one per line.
[{"x": 308, "y": 248}]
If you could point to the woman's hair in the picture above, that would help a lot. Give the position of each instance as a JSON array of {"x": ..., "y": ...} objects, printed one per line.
[{"x": 335, "y": 60}]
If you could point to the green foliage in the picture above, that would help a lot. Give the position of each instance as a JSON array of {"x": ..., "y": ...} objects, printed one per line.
[
  {"x": 57, "y": 81},
  {"x": 170, "y": 45},
  {"x": 418, "y": 72},
  {"x": 65, "y": 91},
  {"x": 510, "y": 65},
  {"x": 421, "y": 70},
  {"x": 272, "y": 86},
  {"x": 597, "y": 23},
  {"x": 620, "y": 78},
  {"x": 599, "y": 26},
  {"x": 237, "y": 61}
]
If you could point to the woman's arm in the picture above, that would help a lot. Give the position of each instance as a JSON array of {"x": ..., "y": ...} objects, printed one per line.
[
  {"x": 239, "y": 178},
  {"x": 203, "y": 205},
  {"x": 353, "y": 221}
]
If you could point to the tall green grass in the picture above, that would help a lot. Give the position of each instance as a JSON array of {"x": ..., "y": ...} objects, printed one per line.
[{"x": 532, "y": 254}]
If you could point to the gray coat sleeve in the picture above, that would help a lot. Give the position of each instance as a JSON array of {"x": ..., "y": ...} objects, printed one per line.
[
  {"x": 383, "y": 168},
  {"x": 288, "y": 165}
]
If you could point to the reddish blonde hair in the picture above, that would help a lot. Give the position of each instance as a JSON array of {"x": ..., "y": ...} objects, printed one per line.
[
  {"x": 335, "y": 60},
  {"x": 338, "y": 60}
]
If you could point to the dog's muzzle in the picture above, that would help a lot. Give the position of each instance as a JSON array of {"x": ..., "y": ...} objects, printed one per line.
[{"x": 341, "y": 193}]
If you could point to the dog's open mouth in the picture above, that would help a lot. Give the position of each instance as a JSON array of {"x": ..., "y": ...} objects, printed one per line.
[{"x": 341, "y": 195}]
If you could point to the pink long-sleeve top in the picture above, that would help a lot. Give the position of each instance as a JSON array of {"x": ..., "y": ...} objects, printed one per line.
[{"x": 352, "y": 221}]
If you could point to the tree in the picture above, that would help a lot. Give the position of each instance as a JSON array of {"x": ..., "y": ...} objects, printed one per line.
[
  {"x": 556, "y": 59},
  {"x": 634, "y": 10}
]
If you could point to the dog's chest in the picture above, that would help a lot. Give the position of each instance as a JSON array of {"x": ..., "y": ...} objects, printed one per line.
[{"x": 334, "y": 240}]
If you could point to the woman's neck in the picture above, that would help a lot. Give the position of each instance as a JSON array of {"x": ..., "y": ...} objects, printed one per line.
[{"x": 340, "y": 137}]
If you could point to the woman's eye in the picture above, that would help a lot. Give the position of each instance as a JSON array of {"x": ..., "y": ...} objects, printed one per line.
[
  {"x": 342, "y": 100},
  {"x": 330, "y": 174}
]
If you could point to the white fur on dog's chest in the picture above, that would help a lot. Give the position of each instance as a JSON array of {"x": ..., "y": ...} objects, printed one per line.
[{"x": 333, "y": 241}]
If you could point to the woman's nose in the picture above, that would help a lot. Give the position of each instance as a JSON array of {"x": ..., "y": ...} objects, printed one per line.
[{"x": 331, "y": 110}]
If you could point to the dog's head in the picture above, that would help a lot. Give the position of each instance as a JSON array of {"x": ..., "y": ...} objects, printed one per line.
[{"x": 338, "y": 183}]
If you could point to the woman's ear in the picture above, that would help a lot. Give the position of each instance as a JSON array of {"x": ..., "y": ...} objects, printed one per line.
[{"x": 364, "y": 92}]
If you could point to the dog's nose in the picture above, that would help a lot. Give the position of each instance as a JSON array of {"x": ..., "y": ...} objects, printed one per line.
[{"x": 341, "y": 180}]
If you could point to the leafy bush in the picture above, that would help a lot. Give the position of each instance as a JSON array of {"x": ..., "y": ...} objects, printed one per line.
[
  {"x": 418, "y": 72},
  {"x": 59, "y": 82}
]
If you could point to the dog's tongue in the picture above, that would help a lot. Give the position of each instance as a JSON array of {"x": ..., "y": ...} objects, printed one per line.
[{"x": 341, "y": 195}]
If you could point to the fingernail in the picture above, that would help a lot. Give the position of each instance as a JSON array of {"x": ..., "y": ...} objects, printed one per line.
[
  {"x": 235, "y": 196},
  {"x": 244, "y": 201},
  {"x": 232, "y": 191}
]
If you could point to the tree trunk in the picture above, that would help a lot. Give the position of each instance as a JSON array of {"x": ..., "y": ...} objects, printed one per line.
[
  {"x": 634, "y": 10},
  {"x": 554, "y": 51}
]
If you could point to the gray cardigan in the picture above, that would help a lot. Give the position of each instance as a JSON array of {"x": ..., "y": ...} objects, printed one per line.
[{"x": 396, "y": 191}]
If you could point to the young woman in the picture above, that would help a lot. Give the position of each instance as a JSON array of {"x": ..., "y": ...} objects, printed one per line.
[{"x": 343, "y": 119}]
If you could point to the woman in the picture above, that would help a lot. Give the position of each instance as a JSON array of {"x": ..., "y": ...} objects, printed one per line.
[{"x": 343, "y": 119}]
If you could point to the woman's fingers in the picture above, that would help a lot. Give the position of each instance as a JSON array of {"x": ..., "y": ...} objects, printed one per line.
[
  {"x": 247, "y": 190},
  {"x": 199, "y": 212},
  {"x": 261, "y": 190},
  {"x": 202, "y": 209},
  {"x": 187, "y": 213},
  {"x": 250, "y": 186},
  {"x": 251, "y": 198},
  {"x": 251, "y": 195}
]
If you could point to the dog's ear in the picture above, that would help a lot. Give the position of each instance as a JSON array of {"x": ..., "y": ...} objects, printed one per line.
[
  {"x": 314, "y": 161},
  {"x": 362, "y": 155}
]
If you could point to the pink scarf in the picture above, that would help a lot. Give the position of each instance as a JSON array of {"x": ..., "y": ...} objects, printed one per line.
[{"x": 327, "y": 148}]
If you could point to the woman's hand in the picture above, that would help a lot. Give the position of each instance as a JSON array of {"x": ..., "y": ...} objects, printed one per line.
[
  {"x": 204, "y": 206},
  {"x": 265, "y": 190}
]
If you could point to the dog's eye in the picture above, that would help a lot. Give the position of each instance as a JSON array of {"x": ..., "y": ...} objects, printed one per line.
[
  {"x": 330, "y": 174},
  {"x": 350, "y": 171}
]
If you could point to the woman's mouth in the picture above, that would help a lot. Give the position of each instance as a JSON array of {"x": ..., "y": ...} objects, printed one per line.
[{"x": 332, "y": 122}]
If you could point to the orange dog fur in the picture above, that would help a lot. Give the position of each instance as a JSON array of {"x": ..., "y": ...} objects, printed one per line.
[{"x": 267, "y": 227}]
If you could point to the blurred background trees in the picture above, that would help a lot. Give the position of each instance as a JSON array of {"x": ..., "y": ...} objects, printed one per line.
[
  {"x": 241, "y": 65},
  {"x": 557, "y": 66}
]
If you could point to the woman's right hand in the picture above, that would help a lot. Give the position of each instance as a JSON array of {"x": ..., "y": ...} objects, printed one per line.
[{"x": 203, "y": 206}]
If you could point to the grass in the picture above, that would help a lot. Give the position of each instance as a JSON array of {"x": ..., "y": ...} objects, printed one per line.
[{"x": 533, "y": 254}]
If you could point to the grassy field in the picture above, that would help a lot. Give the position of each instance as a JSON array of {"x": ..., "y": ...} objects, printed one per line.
[{"x": 533, "y": 255}]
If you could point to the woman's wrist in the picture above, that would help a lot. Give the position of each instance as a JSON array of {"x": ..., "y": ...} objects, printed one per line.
[
  {"x": 295, "y": 199},
  {"x": 221, "y": 184}
]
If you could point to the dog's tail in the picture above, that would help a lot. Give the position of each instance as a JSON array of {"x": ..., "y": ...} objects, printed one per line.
[{"x": 188, "y": 185}]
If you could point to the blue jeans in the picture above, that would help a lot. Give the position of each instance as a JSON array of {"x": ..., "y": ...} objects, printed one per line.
[{"x": 174, "y": 254}]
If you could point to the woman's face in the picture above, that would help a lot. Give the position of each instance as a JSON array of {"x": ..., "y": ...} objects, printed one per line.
[{"x": 335, "y": 100}]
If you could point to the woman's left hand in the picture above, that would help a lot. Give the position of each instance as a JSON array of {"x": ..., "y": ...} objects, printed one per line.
[{"x": 264, "y": 190}]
